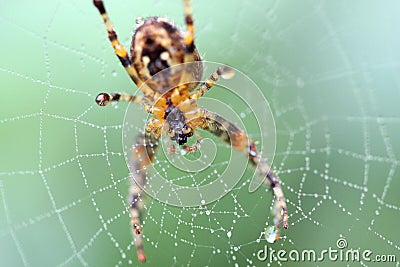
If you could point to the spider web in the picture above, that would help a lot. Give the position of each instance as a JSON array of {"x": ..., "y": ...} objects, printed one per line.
[{"x": 328, "y": 68}]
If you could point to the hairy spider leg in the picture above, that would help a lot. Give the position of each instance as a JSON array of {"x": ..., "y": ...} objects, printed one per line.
[
  {"x": 193, "y": 148},
  {"x": 120, "y": 51},
  {"x": 142, "y": 155},
  {"x": 224, "y": 72},
  {"x": 189, "y": 35},
  {"x": 237, "y": 138},
  {"x": 191, "y": 54},
  {"x": 154, "y": 127},
  {"x": 104, "y": 99}
]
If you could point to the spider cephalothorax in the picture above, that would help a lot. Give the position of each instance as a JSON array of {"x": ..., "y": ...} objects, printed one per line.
[
  {"x": 178, "y": 129},
  {"x": 158, "y": 51}
]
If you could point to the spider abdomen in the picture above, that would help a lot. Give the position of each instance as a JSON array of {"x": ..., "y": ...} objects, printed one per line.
[{"x": 158, "y": 45}]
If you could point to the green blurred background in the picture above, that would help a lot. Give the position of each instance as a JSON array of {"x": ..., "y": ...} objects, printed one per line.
[{"x": 330, "y": 70}]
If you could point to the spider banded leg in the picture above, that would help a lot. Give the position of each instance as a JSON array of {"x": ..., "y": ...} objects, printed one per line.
[
  {"x": 104, "y": 99},
  {"x": 193, "y": 148},
  {"x": 189, "y": 35},
  {"x": 232, "y": 134},
  {"x": 120, "y": 51},
  {"x": 224, "y": 72},
  {"x": 191, "y": 54},
  {"x": 142, "y": 156}
]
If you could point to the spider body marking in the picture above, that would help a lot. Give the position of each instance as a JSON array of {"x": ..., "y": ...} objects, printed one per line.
[
  {"x": 170, "y": 95},
  {"x": 158, "y": 45}
]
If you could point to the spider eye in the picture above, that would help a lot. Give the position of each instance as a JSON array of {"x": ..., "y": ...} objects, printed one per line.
[{"x": 103, "y": 99}]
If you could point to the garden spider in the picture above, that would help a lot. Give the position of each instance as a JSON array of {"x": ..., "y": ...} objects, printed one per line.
[{"x": 156, "y": 46}]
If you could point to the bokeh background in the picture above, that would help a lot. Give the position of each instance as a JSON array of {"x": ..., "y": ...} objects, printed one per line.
[{"x": 329, "y": 69}]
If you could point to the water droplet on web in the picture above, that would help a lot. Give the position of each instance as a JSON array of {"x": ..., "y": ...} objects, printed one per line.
[
  {"x": 82, "y": 62},
  {"x": 203, "y": 202},
  {"x": 139, "y": 20},
  {"x": 271, "y": 234},
  {"x": 300, "y": 82},
  {"x": 227, "y": 73},
  {"x": 229, "y": 234}
]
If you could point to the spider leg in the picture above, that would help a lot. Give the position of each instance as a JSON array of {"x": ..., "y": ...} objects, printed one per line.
[
  {"x": 120, "y": 51},
  {"x": 104, "y": 99},
  {"x": 189, "y": 35},
  {"x": 224, "y": 72},
  {"x": 232, "y": 134},
  {"x": 193, "y": 148},
  {"x": 142, "y": 155},
  {"x": 154, "y": 127}
]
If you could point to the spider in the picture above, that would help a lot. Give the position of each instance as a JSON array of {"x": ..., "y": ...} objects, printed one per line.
[{"x": 156, "y": 46}]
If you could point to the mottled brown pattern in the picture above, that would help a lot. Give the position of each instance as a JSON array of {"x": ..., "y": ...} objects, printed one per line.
[{"x": 154, "y": 37}]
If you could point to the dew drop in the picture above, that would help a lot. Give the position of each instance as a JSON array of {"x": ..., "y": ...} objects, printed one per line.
[
  {"x": 227, "y": 73},
  {"x": 271, "y": 234},
  {"x": 229, "y": 234},
  {"x": 139, "y": 20},
  {"x": 300, "y": 82}
]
